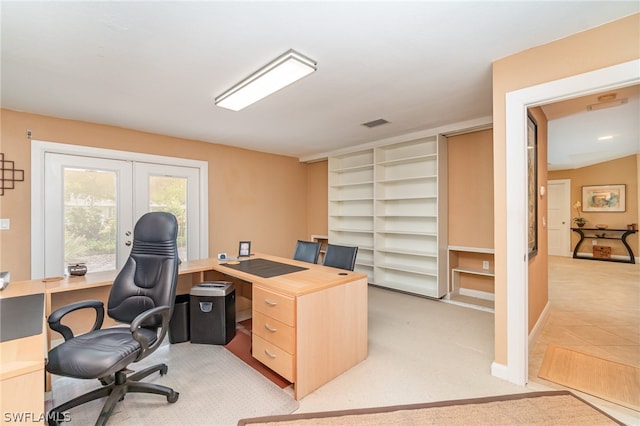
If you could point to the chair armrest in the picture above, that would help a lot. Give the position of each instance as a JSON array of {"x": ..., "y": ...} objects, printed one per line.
[
  {"x": 165, "y": 313},
  {"x": 56, "y": 316}
]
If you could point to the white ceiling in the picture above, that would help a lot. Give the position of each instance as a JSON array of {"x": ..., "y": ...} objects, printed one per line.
[
  {"x": 579, "y": 137},
  {"x": 156, "y": 66}
]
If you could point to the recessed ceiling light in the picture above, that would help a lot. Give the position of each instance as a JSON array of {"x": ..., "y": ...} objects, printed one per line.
[{"x": 279, "y": 73}]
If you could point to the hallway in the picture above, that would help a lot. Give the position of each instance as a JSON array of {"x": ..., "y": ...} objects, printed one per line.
[{"x": 594, "y": 307}]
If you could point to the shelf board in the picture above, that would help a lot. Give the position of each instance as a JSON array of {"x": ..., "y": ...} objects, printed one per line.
[
  {"x": 474, "y": 271},
  {"x": 343, "y": 185},
  {"x": 361, "y": 231},
  {"x": 404, "y": 268},
  {"x": 407, "y": 179},
  {"x": 421, "y": 197},
  {"x": 470, "y": 302},
  {"x": 472, "y": 249},
  {"x": 417, "y": 216},
  {"x": 424, "y": 234},
  {"x": 410, "y": 252},
  {"x": 352, "y": 168},
  {"x": 351, "y": 200},
  {"x": 408, "y": 160}
]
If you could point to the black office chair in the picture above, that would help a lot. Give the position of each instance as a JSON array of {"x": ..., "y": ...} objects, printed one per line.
[
  {"x": 307, "y": 251},
  {"x": 143, "y": 296},
  {"x": 343, "y": 257}
]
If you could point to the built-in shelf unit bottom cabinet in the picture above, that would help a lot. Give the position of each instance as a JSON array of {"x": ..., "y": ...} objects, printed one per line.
[{"x": 390, "y": 201}]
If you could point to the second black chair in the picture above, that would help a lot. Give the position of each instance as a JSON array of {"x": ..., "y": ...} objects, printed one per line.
[
  {"x": 343, "y": 257},
  {"x": 307, "y": 251}
]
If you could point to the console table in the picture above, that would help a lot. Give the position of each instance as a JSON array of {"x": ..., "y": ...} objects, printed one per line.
[{"x": 605, "y": 234}]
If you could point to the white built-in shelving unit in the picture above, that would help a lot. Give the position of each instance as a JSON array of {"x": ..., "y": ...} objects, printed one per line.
[
  {"x": 390, "y": 201},
  {"x": 351, "y": 205}
]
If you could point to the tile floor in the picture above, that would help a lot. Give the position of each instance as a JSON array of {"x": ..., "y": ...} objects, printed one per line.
[{"x": 594, "y": 307}]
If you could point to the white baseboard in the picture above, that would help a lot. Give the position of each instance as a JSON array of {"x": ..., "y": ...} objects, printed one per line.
[
  {"x": 539, "y": 324},
  {"x": 500, "y": 371}
]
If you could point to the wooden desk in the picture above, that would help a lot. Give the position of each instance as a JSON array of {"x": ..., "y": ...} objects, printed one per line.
[
  {"x": 320, "y": 314},
  {"x": 22, "y": 363}
]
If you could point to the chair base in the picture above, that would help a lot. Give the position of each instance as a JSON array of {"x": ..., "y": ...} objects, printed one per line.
[{"x": 116, "y": 392}]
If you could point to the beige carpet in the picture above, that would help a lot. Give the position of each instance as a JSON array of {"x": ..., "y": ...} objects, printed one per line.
[
  {"x": 539, "y": 408},
  {"x": 609, "y": 380},
  {"x": 216, "y": 388}
]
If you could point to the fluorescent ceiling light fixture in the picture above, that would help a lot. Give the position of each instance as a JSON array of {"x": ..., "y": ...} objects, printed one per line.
[
  {"x": 605, "y": 138},
  {"x": 281, "y": 72}
]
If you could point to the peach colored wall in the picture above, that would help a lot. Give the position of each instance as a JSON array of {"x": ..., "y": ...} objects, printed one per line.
[
  {"x": 318, "y": 199},
  {"x": 470, "y": 178},
  {"x": 538, "y": 264},
  {"x": 619, "y": 171},
  {"x": 252, "y": 195},
  {"x": 614, "y": 43}
]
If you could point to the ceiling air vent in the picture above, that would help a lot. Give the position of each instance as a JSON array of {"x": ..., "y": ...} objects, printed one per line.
[{"x": 375, "y": 123}]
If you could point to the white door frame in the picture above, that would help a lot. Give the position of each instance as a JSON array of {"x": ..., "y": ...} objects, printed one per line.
[
  {"x": 517, "y": 102},
  {"x": 38, "y": 150},
  {"x": 566, "y": 213}
]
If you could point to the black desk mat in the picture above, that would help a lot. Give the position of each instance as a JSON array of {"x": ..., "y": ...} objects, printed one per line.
[{"x": 264, "y": 268}]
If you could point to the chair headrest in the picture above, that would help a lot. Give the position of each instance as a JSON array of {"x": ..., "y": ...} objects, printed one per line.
[{"x": 156, "y": 227}]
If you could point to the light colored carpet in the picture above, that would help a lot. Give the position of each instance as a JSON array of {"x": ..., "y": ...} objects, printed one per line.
[
  {"x": 536, "y": 408},
  {"x": 216, "y": 388},
  {"x": 609, "y": 380}
]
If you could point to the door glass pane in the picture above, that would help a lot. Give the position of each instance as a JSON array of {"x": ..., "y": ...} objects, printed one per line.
[
  {"x": 90, "y": 218},
  {"x": 169, "y": 194}
]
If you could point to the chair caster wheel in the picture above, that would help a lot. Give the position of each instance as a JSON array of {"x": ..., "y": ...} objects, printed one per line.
[
  {"x": 164, "y": 370},
  {"x": 106, "y": 381},
  {"x": 173, "y": 397}
]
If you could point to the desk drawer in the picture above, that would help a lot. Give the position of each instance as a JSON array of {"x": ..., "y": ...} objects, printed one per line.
[
  {"x": 273, "y": 331},
  {"x": 274, "y": 305},
  {"x": 273, "y": 357}
]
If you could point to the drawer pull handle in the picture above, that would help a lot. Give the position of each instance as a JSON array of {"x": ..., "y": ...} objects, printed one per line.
[
  {"x": 269, "y": 302},
  {"x": 271, "y": 329},
  {"x": 269, "y": 354}
]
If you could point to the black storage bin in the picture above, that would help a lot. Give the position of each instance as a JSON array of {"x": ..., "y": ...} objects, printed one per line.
[
  {"x": 213, "y": 312},
  {"x": 179, "y": 323}
]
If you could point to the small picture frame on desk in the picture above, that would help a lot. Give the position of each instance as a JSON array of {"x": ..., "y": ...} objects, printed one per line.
[{"x": 244, "y": 249}]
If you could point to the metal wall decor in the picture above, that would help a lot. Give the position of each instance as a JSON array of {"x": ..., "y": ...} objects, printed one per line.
[{"x": 9, "y": 174}]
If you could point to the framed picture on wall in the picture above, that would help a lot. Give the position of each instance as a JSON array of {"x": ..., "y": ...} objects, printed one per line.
[
  {"x": 532, "y": 185},
  {"x": 604, "y": 198}
]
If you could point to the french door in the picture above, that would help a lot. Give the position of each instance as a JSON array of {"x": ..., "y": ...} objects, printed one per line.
[
  {"x": 89, "y": 215},
  {"x": 91, "y": 203}
]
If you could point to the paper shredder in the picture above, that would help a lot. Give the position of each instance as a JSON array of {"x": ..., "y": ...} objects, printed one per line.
[{"x": 213, "y": 312}]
